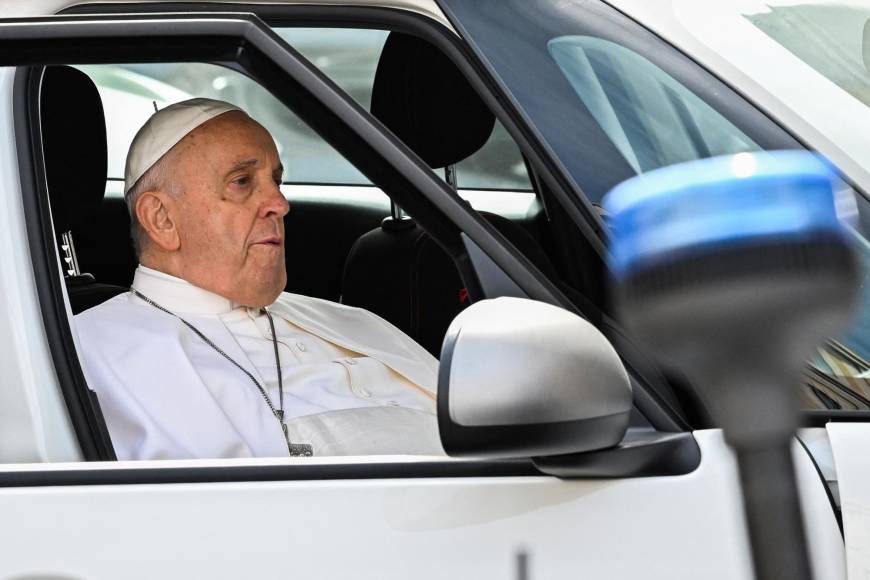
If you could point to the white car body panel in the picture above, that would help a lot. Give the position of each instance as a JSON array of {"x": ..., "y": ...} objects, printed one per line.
[
  {"x": 850, "y": 443},
  {"x": 683, "y": 527},
  {"x": 34, "y": 424},
  {"x": 428, "y": 8}
]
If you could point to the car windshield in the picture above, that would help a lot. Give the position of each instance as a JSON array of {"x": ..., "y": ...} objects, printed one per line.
[
  {"x": 804, "y": 60},
  {"x": 612, "y": 100}
]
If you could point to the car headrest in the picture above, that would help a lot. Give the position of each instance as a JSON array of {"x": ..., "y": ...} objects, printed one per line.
[
  {"x": 73, "y": 144},
  {"x": 422, "y": 97}
]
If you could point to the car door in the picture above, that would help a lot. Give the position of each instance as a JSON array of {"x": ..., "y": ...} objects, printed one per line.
[{"x": 377, "y": 517}]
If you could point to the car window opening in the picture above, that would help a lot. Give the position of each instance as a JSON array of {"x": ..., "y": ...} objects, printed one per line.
[{"x": 342, "y": 238}]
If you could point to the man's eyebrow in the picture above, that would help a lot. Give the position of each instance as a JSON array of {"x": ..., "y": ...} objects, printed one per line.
[
  {"x": 253, "y": 163},
  {"x": 243, "y": 165}
]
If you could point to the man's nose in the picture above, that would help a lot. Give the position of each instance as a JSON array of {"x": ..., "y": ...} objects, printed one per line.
[{"x": 275, "y": 204}]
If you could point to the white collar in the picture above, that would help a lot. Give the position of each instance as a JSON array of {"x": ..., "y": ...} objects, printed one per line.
[{"x": 179, "y": 296}]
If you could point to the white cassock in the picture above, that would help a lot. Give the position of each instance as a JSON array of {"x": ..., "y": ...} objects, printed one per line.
[{"x": 353, "y": 383}]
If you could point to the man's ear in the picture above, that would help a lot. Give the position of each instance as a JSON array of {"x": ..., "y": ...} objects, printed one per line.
[{"x": 153, "y": 210}]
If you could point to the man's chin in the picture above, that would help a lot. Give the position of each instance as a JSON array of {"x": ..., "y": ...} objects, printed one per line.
[
  {"x": 273, "y": 297},
  {"x": 266, "y": 294},
  {"x": 259, "y": 300}
]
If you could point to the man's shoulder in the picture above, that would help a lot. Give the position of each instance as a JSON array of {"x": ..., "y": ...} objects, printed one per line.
[
  {"x": 118, "y": 310},
  {"x": 105, "y": 309}
]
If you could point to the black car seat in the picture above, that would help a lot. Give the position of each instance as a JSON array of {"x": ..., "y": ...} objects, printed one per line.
[
  {"x": 397, "y": 270},
  {"x": 74, "y": 149}
]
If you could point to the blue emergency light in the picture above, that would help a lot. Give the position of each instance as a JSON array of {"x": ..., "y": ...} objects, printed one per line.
[
  {"x": 711, "y": 204},
  {"x": 732, "y": 270}
]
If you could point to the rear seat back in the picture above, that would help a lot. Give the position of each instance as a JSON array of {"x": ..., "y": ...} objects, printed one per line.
[
  {"x": 402, "y": 275},
  {"x": 74, "y": 148},
  {"x": 397, "y": 271}
]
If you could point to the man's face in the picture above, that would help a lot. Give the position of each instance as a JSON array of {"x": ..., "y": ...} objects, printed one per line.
[{"x": 230, "y": 213}]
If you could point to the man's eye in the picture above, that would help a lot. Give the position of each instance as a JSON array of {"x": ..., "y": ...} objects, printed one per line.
[{"x": 242, "y": 181}]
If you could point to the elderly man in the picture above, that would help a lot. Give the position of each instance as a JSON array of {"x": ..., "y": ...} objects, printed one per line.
[{"x": 206, "y": 356}]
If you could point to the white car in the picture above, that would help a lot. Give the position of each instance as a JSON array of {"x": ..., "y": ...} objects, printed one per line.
[{"x": 529, "y": 110}]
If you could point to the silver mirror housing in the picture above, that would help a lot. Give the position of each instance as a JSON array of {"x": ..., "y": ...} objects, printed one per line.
[{"x": 520, "y": 378}]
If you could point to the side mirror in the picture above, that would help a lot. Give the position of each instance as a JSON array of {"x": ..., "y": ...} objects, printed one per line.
[{"x": 520, "y": 378}]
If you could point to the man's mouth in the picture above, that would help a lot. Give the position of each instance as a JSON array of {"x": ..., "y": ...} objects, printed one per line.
[{"x": 271, "y": 241}]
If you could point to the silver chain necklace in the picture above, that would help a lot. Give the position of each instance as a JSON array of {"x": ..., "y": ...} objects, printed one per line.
[{"x": 295, "y": 449}]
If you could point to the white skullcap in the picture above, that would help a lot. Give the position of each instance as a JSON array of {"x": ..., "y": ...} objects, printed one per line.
[{"x": 164, "y": 129}]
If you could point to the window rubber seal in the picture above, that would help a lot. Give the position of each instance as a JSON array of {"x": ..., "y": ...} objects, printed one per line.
[
  {"x": 820, "y": 418},
  {"x": 838, "y": 513},
  {"x": 152, "y": 474}
]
